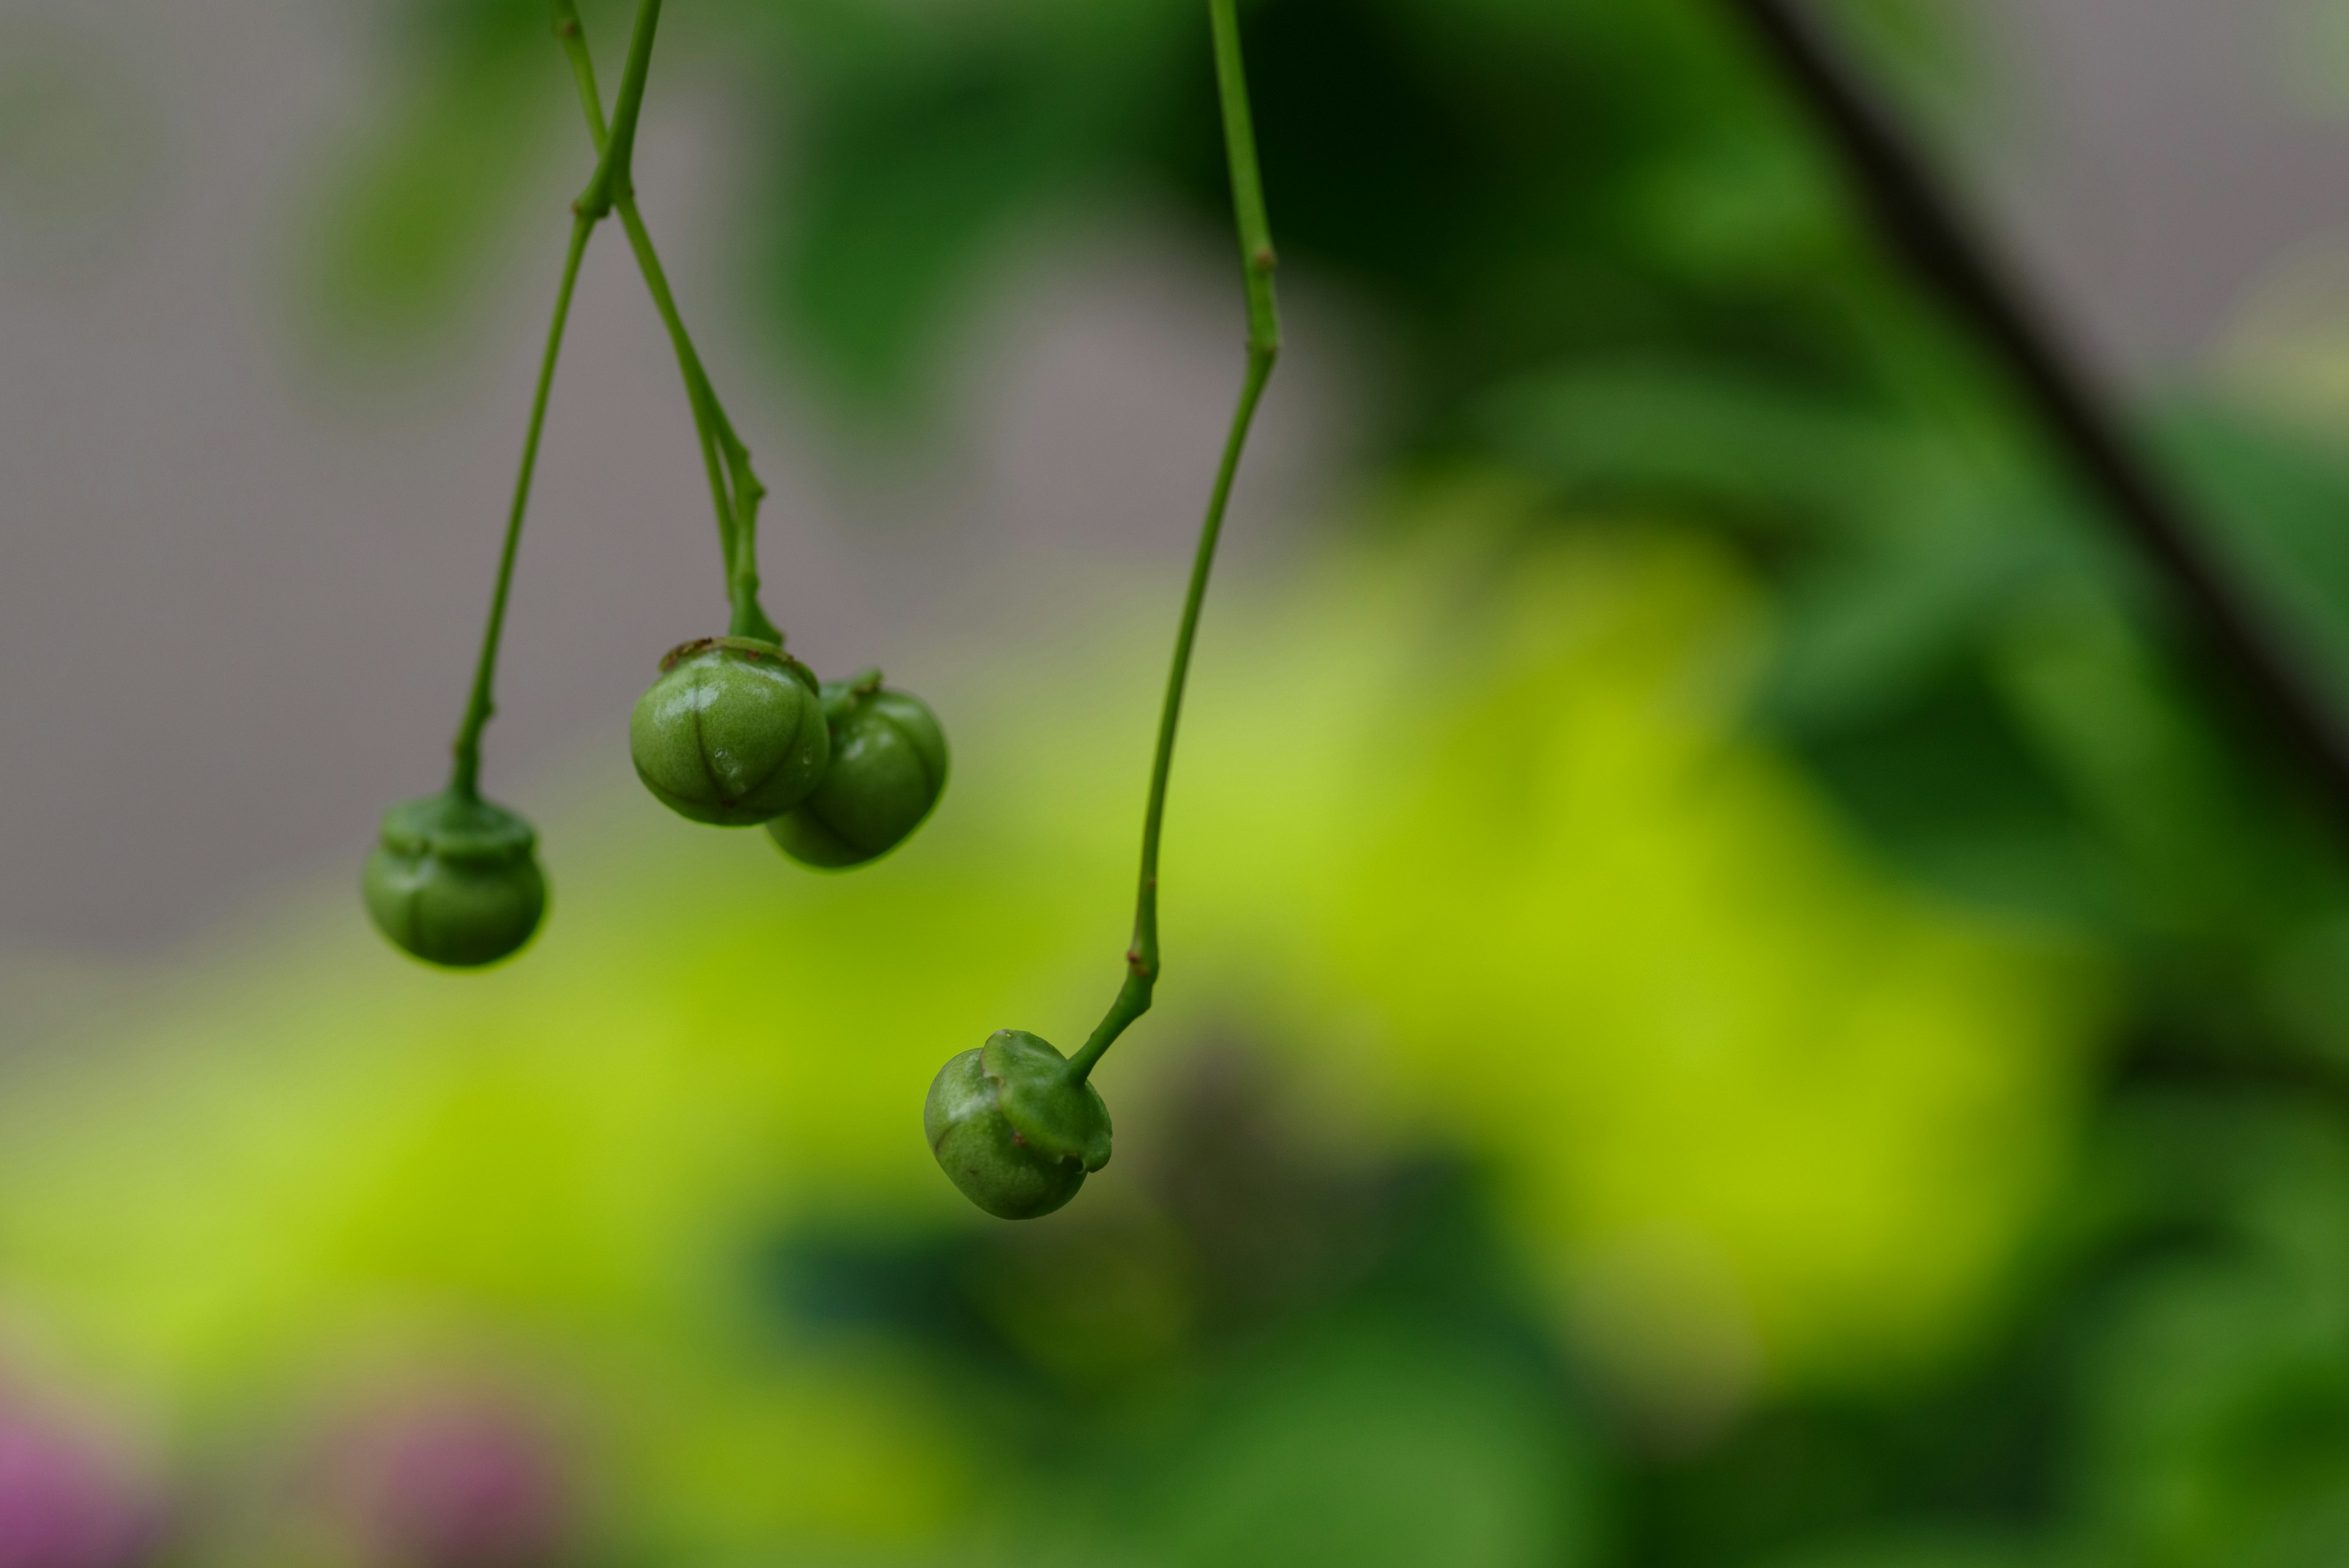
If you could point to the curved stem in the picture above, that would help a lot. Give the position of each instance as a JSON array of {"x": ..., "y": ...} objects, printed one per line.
[
  {"x": 467, "y": 779},
  {"x": 735, "y": 491},
  {"x": 1260, "y": 260}
]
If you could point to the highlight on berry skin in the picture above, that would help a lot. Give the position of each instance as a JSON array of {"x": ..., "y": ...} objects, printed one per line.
[
  {"x": 1016, "y": 1125},
  {"x": 888, "y": 768},
  {"x": 1014, "y": 1128},
  {"x": 732, "y": 734},
  {"x": 454, "y": 880}
]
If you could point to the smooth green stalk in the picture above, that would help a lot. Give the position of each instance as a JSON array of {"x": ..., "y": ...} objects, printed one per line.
[
  {"x": 611, "y": 182},
  {"x": 735, "y": 491},
  {"x": 467, "y": 779},
  {"x": 615, "y": 178},
  {"x": 1260, "y": 260}
]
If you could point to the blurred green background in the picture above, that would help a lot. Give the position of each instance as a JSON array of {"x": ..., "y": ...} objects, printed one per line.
[{"x": 1738, "y": 994}]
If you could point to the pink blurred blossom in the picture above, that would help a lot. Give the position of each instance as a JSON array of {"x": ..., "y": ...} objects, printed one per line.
[
  {"x": 66, "y": 1500},
  {"x": 454, "y": 1481}
]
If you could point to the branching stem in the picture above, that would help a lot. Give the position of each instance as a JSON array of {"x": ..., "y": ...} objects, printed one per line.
[
  {"x": 1259, "y": 261},
  {"x": 614, "y": 179},
  {"x": 613, "y": 187},
  {"x": 735, "y": 491}
]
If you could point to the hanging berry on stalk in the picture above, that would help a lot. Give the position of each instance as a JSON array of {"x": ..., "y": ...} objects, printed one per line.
[
  {"x": 735, "y": 732},
  {"x": 1014, "y": 1123}
]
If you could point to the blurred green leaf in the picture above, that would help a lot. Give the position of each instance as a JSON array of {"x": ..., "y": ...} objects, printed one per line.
[
  {"x": 1926, "y": 1549},
  {"x": 938, "y": 139},
  {"x": 2215, "y": 1388},
  {"x": 2281, "y": 506},
  {"x": 1376, "y": 1444},
  {"x": 415, "y": 215},
  {"x": 1718, "y": 438}
]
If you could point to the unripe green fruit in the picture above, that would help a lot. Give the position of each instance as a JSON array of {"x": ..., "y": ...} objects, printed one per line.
[
  {"x": 732, "y": 734},
  {"x": 1012, "y": 1129},
  {"x": 888, "y": 769},
  {"x": 455, "y": 880}
]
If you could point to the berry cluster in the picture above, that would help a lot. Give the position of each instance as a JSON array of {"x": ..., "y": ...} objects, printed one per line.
[{"x": 737, "y": 734}]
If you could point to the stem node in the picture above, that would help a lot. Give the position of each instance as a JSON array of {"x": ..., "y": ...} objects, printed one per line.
[{"x": 735, "y": 491}]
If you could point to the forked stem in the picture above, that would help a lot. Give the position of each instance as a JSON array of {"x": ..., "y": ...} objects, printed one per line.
[
  {"x": 610, "y": 184},
  {"x": 1260, "y": 263},
  {"x": 735, "y": 491},
  {"x": 467, "y": 779},
  {"x": 614, "y": 180}
]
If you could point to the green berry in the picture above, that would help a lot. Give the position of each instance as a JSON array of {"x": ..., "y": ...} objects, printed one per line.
[
  {"x": 732, "y": 734},
  {"x": 455, "y": 880},
  {"x": 1013, "y": 1129},
  {"x": 888, "y": 769}
]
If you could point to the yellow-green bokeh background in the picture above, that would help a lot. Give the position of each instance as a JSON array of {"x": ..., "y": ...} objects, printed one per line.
[{"x": 1469, "y": 844}]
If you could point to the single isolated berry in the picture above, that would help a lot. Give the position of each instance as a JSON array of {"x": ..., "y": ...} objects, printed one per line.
[
  {"x": 888, "y": 769},
  {"x": 455, "y": 880},
  {"x": 732, "y": 734},
  {"x": 1012, "y": 1126}
]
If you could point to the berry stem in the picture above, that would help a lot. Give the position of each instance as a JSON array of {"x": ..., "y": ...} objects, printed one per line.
[
  {"x": 614, "y": 179},
  {"x": 735, "y": 489},
  {"x": 611, "y": 185},
  {"x": 467, "y": 779},
  {"x": 1260, "y": 263}
]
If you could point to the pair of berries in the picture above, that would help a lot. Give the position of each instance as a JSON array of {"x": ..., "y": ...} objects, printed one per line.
[{"x": 736, "y": 733}]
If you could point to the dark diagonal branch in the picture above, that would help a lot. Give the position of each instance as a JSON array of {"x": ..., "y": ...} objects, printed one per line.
[{"x": 1925, "y": 225}]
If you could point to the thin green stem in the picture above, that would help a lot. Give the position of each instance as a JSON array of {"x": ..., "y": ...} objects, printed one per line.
[
  {"x": 615, "y": 178},
  {"x": 573, "y": 35},
  {"x": 735, "y": 491},
  {"x": 611, "y": 179},
  {"x": 696, "y": 382},
  {"x": 467, "y": 779},
  {"x": 1259, "y": 261}
]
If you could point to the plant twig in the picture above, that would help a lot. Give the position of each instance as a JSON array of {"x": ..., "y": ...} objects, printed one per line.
[
  {"x": 614, "y": 180},
  {"x": 610, "y": 184},
  {"x": 1924, "y": 225},
  {"x": 467, "y": 779},
  {"x": 1258, "y": 262},
  {"x": 735, "y": 489}
]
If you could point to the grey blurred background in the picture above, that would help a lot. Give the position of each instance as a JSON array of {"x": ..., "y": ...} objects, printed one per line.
[{"x": 241, "y": 581}]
